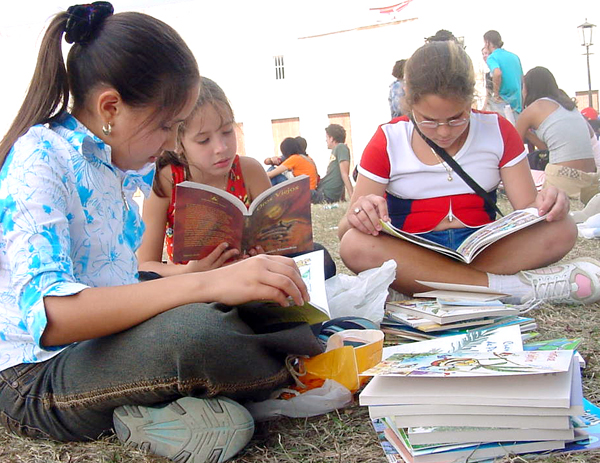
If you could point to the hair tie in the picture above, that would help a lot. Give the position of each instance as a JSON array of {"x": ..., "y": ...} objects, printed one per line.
[{"x": 83, "y": 20}]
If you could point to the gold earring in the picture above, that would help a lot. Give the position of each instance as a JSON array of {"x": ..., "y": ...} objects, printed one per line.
[{"x": 107, "y": 128}]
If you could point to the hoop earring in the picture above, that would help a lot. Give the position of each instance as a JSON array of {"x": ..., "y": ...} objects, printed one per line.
[{"x": 107, "y": 128}]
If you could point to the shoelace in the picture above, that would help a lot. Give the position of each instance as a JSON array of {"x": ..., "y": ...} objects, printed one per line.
[
  {"x": 529, "y": 305},
  {"x": 551, "y": 287}
]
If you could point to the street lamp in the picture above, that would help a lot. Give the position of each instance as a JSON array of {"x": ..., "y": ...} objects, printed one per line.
[{"x": 586, "y": 32}]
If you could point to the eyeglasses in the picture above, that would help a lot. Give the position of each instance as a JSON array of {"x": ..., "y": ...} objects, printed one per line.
[{"x": 434, "y": 124}]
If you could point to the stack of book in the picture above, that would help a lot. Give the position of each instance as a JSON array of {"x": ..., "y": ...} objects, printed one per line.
[
  {"x": 449, "y": 309},
  {"x": 472, "y": 397}
]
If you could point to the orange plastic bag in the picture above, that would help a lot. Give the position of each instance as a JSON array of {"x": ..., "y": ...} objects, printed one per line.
[{"x": 341, "y": 363}]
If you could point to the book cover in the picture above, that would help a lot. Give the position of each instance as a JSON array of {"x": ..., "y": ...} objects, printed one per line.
[
  {"x": 472, "y": 364},
  {"x": 498, "y": 339},
  {"x": 548, "y": 390},
  {"x": 279, "y": 220},
  {"x": 444, "y": 314},
  {"x": 477, "y": 241}
]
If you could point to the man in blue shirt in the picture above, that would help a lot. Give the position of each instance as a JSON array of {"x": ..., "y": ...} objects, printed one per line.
[{"x": 507, "y": 75}]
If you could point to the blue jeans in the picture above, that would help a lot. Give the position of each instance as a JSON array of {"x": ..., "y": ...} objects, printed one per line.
[
  {"x": 198, "y": 350},
  {"x": 278, "y": 178},
  {"x": 451, "y": 238}
]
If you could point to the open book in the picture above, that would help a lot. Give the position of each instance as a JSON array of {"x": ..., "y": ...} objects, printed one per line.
[
  {"x": 479, "y": 240},
  {"x": 266, "y": 316},
  {"x": 278, "y": 219}
]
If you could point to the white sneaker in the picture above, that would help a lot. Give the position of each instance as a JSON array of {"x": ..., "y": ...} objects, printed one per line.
[
  {"x": 575, "y": 282},
  {"x": 188, "y": 430}
]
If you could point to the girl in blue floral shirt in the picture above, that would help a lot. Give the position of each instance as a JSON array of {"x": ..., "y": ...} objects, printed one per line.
[{"x": 83, "y": 344}]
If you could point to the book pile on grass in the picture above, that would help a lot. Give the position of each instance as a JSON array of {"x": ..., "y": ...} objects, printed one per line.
[
  {"x": 474, "y": 396},
  {"x": 449, "y": 309}
]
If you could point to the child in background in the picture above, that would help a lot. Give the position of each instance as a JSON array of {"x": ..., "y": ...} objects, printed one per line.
[
  {"x": 207, "y": 154},
  {"x": 402, "y": 179},
  {"x": 83, "y": 344},
  {"x": 293, "y": 160}
]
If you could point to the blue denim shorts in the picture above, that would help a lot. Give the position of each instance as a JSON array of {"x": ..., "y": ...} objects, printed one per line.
[{"x": 451, "y": 238}]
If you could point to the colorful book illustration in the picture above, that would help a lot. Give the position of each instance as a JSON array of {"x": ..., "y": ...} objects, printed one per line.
[
  {"x": 498, "y": 339},
  {"x": 469, "y": 364},
  {"x": 548, "y": 390},
  {"x": 444, "y": 314},
  {"x": 279, "y": 220},
  {"x": 479, "y": 240}
]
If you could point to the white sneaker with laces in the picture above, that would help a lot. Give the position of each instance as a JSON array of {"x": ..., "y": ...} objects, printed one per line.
[
  {"x": 188, "y": 430},
  {"x": 575, "y": 282}
]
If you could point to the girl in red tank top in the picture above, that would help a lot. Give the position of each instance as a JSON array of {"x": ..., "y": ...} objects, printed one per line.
[{"x": 207, "y": 155}]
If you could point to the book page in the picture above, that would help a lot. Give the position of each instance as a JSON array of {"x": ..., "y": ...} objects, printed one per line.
[
  {"x": 204, "y": 218},
  {"x": 416, "y": 239},
  {"x": 281, "y": 219},
  {"x": 492, "y": 232}
]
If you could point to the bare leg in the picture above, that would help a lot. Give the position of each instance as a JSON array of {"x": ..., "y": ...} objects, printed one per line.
[{"x": 535, "y": 247}]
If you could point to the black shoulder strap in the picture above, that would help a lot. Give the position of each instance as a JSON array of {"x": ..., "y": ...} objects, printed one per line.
[{"x": 455, "y": 166}]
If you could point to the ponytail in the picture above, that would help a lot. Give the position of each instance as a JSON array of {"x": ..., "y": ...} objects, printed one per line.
[
  {"x": 48, "y": 93},
  {"x": 141, "y": 57}
]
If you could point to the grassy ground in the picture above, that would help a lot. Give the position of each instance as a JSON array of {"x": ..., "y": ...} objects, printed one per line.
[{"x": 343, "y": 436}]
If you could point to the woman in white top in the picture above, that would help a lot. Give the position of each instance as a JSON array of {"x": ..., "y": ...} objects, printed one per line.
[{"x": 551, "y": 121}]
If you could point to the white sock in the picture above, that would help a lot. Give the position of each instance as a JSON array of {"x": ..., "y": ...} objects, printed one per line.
[{"x": 509, "y": 284}]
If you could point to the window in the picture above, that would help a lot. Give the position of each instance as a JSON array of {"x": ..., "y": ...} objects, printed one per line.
[{"x": 279, "y": 69}]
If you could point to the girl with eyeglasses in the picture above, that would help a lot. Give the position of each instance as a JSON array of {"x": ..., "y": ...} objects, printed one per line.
[{"x": 403, "y": 180}]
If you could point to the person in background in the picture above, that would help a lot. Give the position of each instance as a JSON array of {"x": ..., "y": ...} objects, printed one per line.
[
  {"x": 331, "y": 187},
  {"x": 489, "y": 86},
  {"x": 397, "y": 89},
  {"x": 84, "y": 346},
  {"x": 507, "y": 75},
  {"x": 591, "y": 115},
  {"x": 404, "y": 181},
  {"x": 296, "y": 163},
  {"x": 551, "y": 121}
]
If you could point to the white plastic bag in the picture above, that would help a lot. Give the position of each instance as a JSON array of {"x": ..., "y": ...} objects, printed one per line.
[
  {"x": 331, "y": 396},
  {"x": 590, "y": 229},
  {"x": 362, "y": 295}
]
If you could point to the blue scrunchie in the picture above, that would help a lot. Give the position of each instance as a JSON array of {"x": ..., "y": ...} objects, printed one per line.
[{"x": 83, "y": 20}]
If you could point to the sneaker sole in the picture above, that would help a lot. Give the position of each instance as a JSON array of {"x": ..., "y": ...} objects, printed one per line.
[{"x": 189, "y": 430}]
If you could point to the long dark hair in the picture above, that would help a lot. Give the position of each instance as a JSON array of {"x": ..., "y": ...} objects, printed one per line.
[
  {"x": 142, "y": 58},
  {"x": 289, "y": 146},
  {"x": 540, "y": 83}
]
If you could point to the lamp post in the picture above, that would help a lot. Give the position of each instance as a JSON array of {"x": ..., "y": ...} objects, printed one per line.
[{"x": 586, "y": 32}]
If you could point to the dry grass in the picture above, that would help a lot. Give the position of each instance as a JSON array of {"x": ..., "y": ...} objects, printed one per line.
[{"x": 343, "y": 436}]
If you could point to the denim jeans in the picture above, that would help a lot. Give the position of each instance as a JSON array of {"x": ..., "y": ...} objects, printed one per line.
[
  {"x": 199, "y": 350},
  {"x": 451, "y": 238}
]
